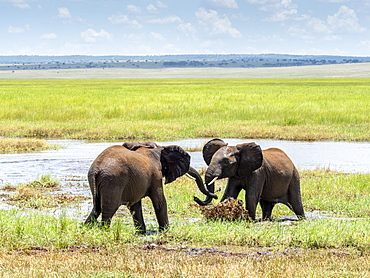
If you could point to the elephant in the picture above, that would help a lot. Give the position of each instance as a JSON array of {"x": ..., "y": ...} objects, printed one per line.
[
  {"x": 123, "y": 175},
  {"x": 267, "y": 176}
]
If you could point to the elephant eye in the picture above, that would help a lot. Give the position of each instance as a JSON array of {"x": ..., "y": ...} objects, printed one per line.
[{"x": 225, "y": 161}]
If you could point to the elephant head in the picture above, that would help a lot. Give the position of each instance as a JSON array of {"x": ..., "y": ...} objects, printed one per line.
[{"x": 226, "y": 161}]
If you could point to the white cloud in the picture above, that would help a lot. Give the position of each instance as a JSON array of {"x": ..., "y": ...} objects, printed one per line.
[
  {"x": 124, "y": 19},
  {"x": 365, "y": 43},
  {"x": 214, "y": 24},
  {"x": 22, "y": 4},
  {"x": 221, "y": 4},
  {"x": 136, "y": 37},
  {"x": 64, "y": 13},
  {"x": 335, "y": 1},
  {"x": 18, "y": 29},
  {"x": 186, "y": 28},
  {"x": 90, "y": 35},
  {"x": 301, "y": 33},
  {"x": 319, "y": 26},
  {"x": 281, "y": 10},
  {"x": 151, "y": 9},
  {"x": 48, "y": 36},
  {"x": 165, "y": 20},
  {"x": 156, "y": 36},
  {"x": 161, "y": 5},
  {"x": 345, "y": 19},
  {"x": 133, "y": 9},
  {"x": 332, "y": 37},
  {"x": 262, "y": 2}
]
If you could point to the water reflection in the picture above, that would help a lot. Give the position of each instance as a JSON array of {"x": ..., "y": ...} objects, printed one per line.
[{"x": 75, "y": 159}]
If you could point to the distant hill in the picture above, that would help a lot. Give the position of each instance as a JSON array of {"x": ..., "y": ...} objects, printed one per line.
[{"x": 35, "y": 62}]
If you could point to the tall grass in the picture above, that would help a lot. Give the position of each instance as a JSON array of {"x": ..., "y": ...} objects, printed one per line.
[
  {"x": 293, "y": 109},
  {"x": 9, "y": 145}
]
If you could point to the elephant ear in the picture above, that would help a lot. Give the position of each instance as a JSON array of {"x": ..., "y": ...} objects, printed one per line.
[
  {"x": 134, "y": 145},
  {"x": 175, "y": 162},
  {"x": 250, "y": 158},
  {"x": 210, "y": 148}
]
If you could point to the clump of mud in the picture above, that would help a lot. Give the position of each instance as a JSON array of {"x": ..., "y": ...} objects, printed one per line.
[{"x": 230, "y": 209}]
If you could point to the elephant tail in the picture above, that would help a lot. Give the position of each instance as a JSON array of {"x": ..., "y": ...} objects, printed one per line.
[
  {"x": 94, "y": 189},
  {"x": 96, "y": 210}
]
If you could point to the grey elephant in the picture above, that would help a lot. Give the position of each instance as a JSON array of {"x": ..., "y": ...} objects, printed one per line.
[
  {"x": 123, "y": 175},
  {"x": 268, "y": 177}
]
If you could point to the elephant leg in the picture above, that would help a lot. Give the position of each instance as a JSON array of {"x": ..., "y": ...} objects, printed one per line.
[
  {"x": 232, "y": 190},
  {"x": 266, "y": 209},
  {"x": 160, "y": 208},
  {"x": 137, "y": 214},
  {"x": 108, "y": 210},
  {"x": 94, "y": 214},
  {"x": 251, "y": 205},
  {"x": 294, "y": 196},
  {"x": 253, "y": 193},
  {"x": 110, "y": 199}
]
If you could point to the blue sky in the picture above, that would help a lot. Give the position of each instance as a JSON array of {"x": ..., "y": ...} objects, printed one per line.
[{"x": 145, "y": 27}]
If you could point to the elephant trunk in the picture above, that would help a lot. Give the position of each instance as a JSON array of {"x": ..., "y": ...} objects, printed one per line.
[
  {"x": 212, "y": 174},
  {"x": 195, "y": 175},
  {"x": 210, "y": 183}
]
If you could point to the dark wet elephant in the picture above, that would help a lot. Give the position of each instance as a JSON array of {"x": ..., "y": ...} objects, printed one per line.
[
  {"x": 268, "y": 176},
  {"x": 123, "y": 175}
]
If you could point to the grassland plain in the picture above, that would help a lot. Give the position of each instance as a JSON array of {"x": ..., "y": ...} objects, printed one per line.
[
  {"x": 37, "y": 244},
  {"x": 159, "y": 109}
]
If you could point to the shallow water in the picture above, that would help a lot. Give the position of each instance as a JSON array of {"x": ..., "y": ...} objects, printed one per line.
[
  {"x": 70, "y": 164},
  {"x": 73, "y": 160}
]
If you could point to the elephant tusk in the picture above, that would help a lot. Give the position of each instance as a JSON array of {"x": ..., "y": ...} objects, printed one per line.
[
  {"x": 190, "y": 176},
  {"x": 212, "y": 181}
]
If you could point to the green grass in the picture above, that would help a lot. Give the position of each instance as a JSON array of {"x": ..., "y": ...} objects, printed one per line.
[
  {"x": 292, "y": 109},
  {"x": 347, "y": 225},
  {"x": 34, "y": 243}
]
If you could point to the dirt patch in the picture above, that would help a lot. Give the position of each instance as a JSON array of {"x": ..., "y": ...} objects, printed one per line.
[
  {"x": 195, "y": 251},
  {"x": 230, "y": 209},
  {"x": 83, "y": 248}
]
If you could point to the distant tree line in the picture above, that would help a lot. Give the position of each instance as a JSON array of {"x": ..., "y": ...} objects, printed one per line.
[{"x": 179, "y": 61}]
